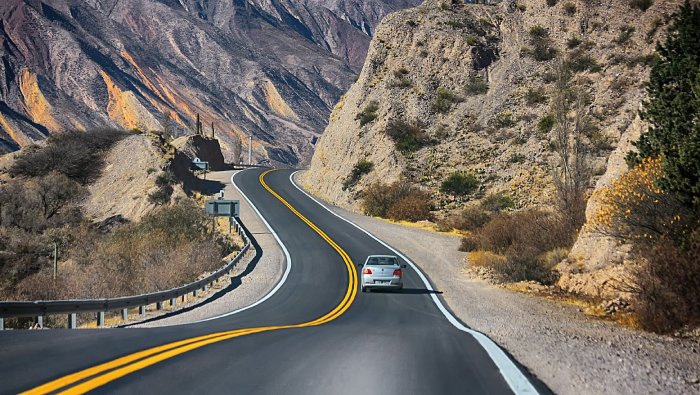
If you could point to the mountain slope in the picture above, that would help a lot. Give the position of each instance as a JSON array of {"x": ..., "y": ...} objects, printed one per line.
[
  {"x": 465, "y": 78},
  {"x": 269, "y": 68}
]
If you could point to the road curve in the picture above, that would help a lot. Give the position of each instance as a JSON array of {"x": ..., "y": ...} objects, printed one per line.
[{"x": 315, "y": 335}]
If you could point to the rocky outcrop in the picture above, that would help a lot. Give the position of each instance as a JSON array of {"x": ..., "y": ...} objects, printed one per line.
[
  {"x": 430, "y": 55},
  {"x": 437, "y": 50},
  {"x": 269, "y": 68}
]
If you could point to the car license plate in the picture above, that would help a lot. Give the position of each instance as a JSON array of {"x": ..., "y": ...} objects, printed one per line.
[{"x": 383, "y": 282}]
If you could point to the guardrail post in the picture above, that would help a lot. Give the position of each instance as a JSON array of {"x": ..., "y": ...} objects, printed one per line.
[
  {"x": 173, "y": 302},
  {"x": 184, "y": 298},
  {"x": 100, "y": 319},
  {"x": 125, "y": 314},
  {"x": 72, "y": 321},
  {"x": 2, "y": 324},
  {"x": 194, "y": 293},
  {"x": 159, "y": 305},
  {"x": 142, "y": 310},
  {"x": 40, "y": 321}
]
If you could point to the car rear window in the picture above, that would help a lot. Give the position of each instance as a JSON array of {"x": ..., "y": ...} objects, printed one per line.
[{"x": 382, "y": 260}]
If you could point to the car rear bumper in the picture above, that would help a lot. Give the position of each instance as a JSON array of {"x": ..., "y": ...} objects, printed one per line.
[{"x": 391, "y": 284}]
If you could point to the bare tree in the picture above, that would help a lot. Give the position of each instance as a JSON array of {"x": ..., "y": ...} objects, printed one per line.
[{"x": 572, "y": 169}]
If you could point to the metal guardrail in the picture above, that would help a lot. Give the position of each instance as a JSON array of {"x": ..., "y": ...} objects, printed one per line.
[{"x": 42, "y": 308}]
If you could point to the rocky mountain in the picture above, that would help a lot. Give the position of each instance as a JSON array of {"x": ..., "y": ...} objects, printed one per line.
[
  {"x": 449, "y": 86},
  {"x": 270, "y": 68}
]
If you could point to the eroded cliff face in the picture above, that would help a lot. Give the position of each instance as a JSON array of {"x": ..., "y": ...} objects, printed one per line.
[
  {"x": 418, "y": 53},
  {"x": 269, "y": 68}
]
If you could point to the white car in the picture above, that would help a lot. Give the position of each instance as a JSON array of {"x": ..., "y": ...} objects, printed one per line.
[{"x": 382, "y": 271}]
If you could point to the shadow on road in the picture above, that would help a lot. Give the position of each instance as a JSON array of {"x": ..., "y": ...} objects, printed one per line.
[{"x": 408, "y": 291}]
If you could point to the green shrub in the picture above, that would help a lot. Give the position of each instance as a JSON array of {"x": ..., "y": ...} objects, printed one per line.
[
  {"x": 546, "y": 124},
  {"x": 477, "y": 86},
  {"x": 164, "y": 182},
  {"x": 625, "y": 34},
  {"x": 535, "y": 96},
  {"x": 580, "y": 62},
  {"x": 673, "y": 111},
  {"x": 472, "y": 40},
  {"x": 502, "y": 120},
  {"x": 641, "y": 4},
  {"x": 368, "y": 114},
  {"x": 407, "y": 137},
  {"x": 460, "y": 184},
  {"x": 542, "y": 49},
  {"x": 497, "y": 202},
  {"x": 552, "y": 3},
  {"x": 361, "y": 168},
  {"x": 538, "y": 32},
  {"x": 573, "y": 42},
  {"x": 444, "y": 100}
]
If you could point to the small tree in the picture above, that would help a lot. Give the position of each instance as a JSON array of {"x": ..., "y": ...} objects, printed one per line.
[
  {"x": 459, "y": 183},
  {"x": 572, "y": 170},
  {"x": 673, "y": 108}
]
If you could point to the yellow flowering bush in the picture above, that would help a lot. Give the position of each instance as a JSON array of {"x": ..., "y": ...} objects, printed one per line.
[{"x": 634, "y": 207}]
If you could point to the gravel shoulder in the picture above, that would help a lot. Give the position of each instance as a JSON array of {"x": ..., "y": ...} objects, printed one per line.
[
  {"x": 569, "y": 351},
  {"x": 255, "y": 281}
]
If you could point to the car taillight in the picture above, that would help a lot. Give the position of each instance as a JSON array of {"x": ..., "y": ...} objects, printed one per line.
[
  {"x": 397, "y": 272},
  {"x": 367, "y": 271}
]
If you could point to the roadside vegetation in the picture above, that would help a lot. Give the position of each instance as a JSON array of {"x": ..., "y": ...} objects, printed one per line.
[
  {"x": 41, "y": 212},
  {"x": 655, "y": 207},
  {"x": 398, "y": 201},
  {"x": 361, "y": 168}
]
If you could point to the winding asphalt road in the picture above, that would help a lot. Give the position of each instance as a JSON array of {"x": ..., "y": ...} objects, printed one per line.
[{"x": 315, "y": 335}]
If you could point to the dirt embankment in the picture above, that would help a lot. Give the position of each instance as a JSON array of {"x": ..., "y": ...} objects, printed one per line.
[{"x": 129, "y": 176}]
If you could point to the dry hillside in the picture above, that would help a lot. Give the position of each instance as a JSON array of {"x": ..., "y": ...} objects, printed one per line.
[{"x": 475, "y": 84}]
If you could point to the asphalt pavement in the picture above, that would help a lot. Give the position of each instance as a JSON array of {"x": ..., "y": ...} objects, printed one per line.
[{"x": 377, "y": 343}]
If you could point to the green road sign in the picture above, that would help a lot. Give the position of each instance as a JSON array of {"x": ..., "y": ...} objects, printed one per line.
[{"x": 222, "y": 208}]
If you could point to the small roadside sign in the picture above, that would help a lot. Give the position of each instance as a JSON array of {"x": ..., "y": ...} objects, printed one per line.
[
  {"x": 200, "y": 165},
  {"x": 223, "y": 208}
]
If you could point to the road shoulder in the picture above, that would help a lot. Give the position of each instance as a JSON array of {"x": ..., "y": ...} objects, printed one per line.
[{"x": 568, "y": 351}]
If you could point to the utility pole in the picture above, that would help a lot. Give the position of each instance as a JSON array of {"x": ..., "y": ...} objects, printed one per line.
[
  {"x": 250, "y": 149},
  {"x": 55, "y": 261}
]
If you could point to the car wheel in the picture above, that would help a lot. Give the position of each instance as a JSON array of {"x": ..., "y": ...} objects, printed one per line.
[{"x": 364, "y": 289}]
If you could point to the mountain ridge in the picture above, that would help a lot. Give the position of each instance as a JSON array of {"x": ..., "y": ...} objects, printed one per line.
[{"x": 250, "y": 67}]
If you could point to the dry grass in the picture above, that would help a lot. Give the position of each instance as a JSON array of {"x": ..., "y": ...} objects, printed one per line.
[
  {"x": 171, "y": 247},
  {"x": 486, "y": 259}
]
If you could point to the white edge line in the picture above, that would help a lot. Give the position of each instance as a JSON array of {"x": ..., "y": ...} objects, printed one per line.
[
  {"x": 512, "y": 375},
  {"x": 287, "y": 257},
  {"x": 288, "y": 260}
]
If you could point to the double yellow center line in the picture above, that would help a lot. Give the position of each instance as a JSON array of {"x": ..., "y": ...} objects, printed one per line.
[{"x": 102, "y": 374}]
